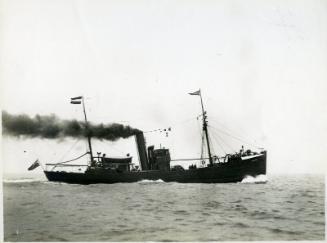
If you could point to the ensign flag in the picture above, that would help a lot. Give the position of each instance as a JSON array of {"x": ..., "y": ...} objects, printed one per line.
[
  {"x": 34, "y": 165},
  {"x": 76, "y": 100}
]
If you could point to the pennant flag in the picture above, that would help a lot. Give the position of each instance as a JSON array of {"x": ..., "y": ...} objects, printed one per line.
[
  {"x": 34, "y": 165},
  {"x": 196, "y": 93},
  {"x": 76, "y": 100}
]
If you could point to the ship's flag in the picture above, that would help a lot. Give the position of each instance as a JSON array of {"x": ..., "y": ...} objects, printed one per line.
[
  {"x": 76, "y": 100},
  {"x": 34, "y": 165},
  {"x": 196, "y": 93}
]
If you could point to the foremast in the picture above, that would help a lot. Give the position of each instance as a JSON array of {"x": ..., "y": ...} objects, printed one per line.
[{"x": 80, "y": 100}]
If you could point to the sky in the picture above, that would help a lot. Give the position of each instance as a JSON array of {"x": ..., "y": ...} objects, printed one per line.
[{"x": 261, "y": 67}]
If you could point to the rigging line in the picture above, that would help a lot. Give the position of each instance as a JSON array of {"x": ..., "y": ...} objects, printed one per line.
[
  {"x": 70, "y": 149},
  {"x": 118, "y": 150},
  {"x": 256, "y": 146},
  {"x": 235, "y": 134},
  {"x": 223, "y": 142},
  {"x": 57, "y": 164},
  {"x": 202, "y": 137},
  {"x": 202, "y": 145},
  {"x": 220, "y": 145},
  {"x": 173, "y": 125},
  {"x": 46, "y": 142},
  {"x": 188, "y": 159},
  {"x": 235, "y": 137},
  {"x": 216, "y": 130},
  {"x": 155, "y": 130},
  {"x": 86, "y": 151},
  {"x": 210, "y": 142},
  {"x": 232, "y": 150},
  {"x": 72, "y": 159},
  {"x": 97, "y": 146},
  {"x": 185, "y": 121},
  {"x": 226, "y": 128}
]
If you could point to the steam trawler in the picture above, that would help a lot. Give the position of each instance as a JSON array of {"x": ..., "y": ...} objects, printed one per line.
[{"x": 155, "y": 163}]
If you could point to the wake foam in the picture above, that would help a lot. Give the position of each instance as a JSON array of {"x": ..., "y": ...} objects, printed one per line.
[
  {"x": 260, "y": 179},
  {"x": 150, "y": 181},
  {"x": 23, "y": 180}
]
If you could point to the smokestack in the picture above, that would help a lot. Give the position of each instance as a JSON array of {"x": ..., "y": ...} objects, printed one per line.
[{"x": 140, "y": 142}]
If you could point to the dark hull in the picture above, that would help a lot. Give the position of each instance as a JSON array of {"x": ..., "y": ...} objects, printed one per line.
[{"x": 233, "y": 171}]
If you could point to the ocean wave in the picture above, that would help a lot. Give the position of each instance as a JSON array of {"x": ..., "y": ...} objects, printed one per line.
[
  {"x": 257, "y": 180},
  {"x": 23, "y": 180},
  {"x": 193, "y": 212}
]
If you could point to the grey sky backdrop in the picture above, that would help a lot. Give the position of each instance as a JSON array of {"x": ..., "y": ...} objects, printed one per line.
[{"x": 261, "y": 66}]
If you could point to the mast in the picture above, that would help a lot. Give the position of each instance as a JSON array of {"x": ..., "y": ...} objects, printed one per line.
[
  {"x": 205, "y": 128},
  {"x": 79, "y": 100},
  {"x": 205, "y": 124},
  {"x": 88, "y": 132}
]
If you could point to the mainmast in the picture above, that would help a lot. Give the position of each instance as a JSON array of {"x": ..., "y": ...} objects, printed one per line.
[
  {"x": 80, "y": 100},
  {"x": 205, "y": 124}
]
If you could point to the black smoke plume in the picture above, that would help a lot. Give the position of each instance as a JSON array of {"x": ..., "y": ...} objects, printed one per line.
[{"x": 52, "y": 127}]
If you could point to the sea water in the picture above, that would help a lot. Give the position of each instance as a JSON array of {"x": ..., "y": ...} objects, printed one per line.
[{"x": 280, "y": 207}]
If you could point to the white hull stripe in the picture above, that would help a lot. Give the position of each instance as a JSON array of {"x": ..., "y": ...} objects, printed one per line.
[{"x": 251, "y": 156}]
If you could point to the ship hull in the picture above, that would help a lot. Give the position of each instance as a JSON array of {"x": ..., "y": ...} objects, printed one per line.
[{"x": 233, "y": 171}]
